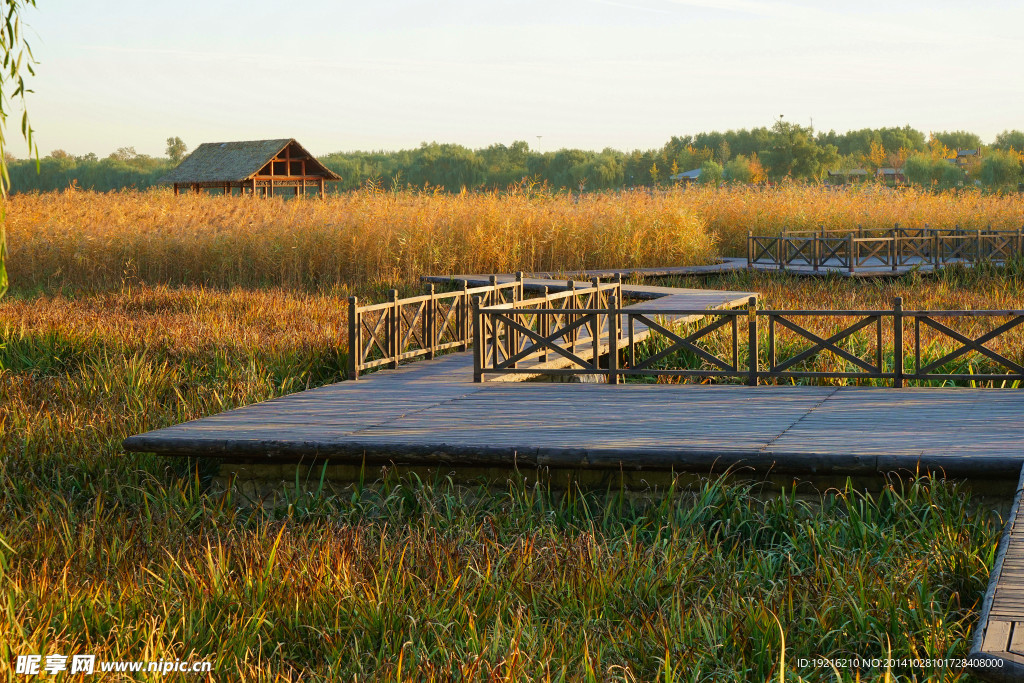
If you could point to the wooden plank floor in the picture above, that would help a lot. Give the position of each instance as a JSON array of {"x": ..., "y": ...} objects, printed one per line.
[
  {"x": 872, "y": 268},
  {"x": 998, "y": 649},
  {"x": 412, "y": 415}
]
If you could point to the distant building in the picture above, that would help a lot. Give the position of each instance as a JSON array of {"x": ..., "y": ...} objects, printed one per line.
[
  {"x": 686, "y": 177},
  {"x": 964, "y": 157},
  {"x": 257, "y": 167},
  {"x": 891, "y": 176},
  {"x": 846, "y": 177}
]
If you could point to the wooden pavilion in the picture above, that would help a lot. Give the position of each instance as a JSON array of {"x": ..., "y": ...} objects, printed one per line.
[{"x": 258, "y": 167}]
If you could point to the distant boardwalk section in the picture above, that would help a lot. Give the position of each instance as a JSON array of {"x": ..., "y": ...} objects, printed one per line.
[{"x": 852, "y": 252}]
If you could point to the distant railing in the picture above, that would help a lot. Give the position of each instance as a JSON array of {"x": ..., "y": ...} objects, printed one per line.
[
  {"x": 853, "y": 250},
  {"x": 871, "y": 346},
  {"x": 418, "y": 327}
]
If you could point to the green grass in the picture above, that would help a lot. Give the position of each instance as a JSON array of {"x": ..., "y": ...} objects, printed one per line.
[{"x": 134, "y": 557}]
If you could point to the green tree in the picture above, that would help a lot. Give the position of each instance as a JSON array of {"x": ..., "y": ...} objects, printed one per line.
[
  {"x": 794, "y": 153},
  {"x": 918, "y": 169},
  {"x": 176, "y": 149},
  {"x": 959, "y": 139},
  {"x": 952, "y": 176},
  {"x": 738, "y": 170},
  {"x": 1001, "y": 170},
  {"x": 1009, "y": 139},
  {"x": 17, "y": 63},
  {"x": 711, "y": 173}
]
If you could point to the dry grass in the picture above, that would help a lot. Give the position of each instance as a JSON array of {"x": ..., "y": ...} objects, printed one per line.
[
  {"x": 128, "y": 557},
  {"x": 730, "y": 212},
  {"x": 94, "y": 241},
  {"x": 123, "y": 556}
]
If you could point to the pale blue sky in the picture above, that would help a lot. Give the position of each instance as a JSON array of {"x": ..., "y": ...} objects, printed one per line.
[{"x": 579, "y": 73}]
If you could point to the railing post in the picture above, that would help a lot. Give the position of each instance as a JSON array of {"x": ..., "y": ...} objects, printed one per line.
[
  {"x": 430, "y": 322},
  {"x": 544, "y": 323},
  {"x": 478, "y": 342},
  {"x": 750, "y": 249},
  {"x": 613, "y": 340},
  {"x": 513, "y": 335},
  {"x": 977, "y": 249},
  {"x": 897, "y": 336},
  {"x": 575, "y": 333},
  {"x": 781, "y": 252},
  {"x": 354, "y": 330},
  {"x": 816, "y": 249},
  {"x": 851, "y": 260},
  {"x": 394, "y": 328},
  {"x": 630, "y": 322},
  {"x": 892, "y": 252},
  {"x": 936, "y": 250},
  {"x": 752, "y": 341},
  {"x": 494, "y": 291},
  {"x": 898, "y": 247},
  {"x": 463, "y": 319}
]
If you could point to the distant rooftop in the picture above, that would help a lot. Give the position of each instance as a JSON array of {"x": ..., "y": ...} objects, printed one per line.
[{"x": 235, "y": 162}]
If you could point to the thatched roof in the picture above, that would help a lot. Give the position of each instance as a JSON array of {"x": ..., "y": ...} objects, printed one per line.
[{"x": 234, "y": 162}]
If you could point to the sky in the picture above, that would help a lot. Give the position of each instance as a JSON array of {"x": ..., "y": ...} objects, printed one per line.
[{"x": 628, "y": 74}]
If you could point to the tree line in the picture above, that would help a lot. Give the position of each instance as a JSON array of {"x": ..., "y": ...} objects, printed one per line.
[{"x": 784, "y": 150}]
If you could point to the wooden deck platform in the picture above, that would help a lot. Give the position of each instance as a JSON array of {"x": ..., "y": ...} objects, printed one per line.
[{"x": 431, "y": 412}]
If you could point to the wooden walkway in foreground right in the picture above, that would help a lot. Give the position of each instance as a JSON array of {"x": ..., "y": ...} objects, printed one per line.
[{"x": 999, "y": 636}]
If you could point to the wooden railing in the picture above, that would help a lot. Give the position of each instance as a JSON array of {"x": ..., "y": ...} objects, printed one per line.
[
  {"x": 420, "y": 326},
  {"x": 851, "y": 250},
  {"x": 514, "y": 337},
  {"x": 869, "y": 344}
]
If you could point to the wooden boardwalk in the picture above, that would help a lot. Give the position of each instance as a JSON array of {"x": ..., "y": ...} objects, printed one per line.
[
  {"x": 872, "y": 268},
  {"x": 998, "y": 649},
  {"x": 431, "y": 412}
]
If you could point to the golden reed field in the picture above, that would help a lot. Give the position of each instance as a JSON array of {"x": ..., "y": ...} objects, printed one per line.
[
  {"x": 366, "y": 240},
  {"x": 131, "y": 311}
]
